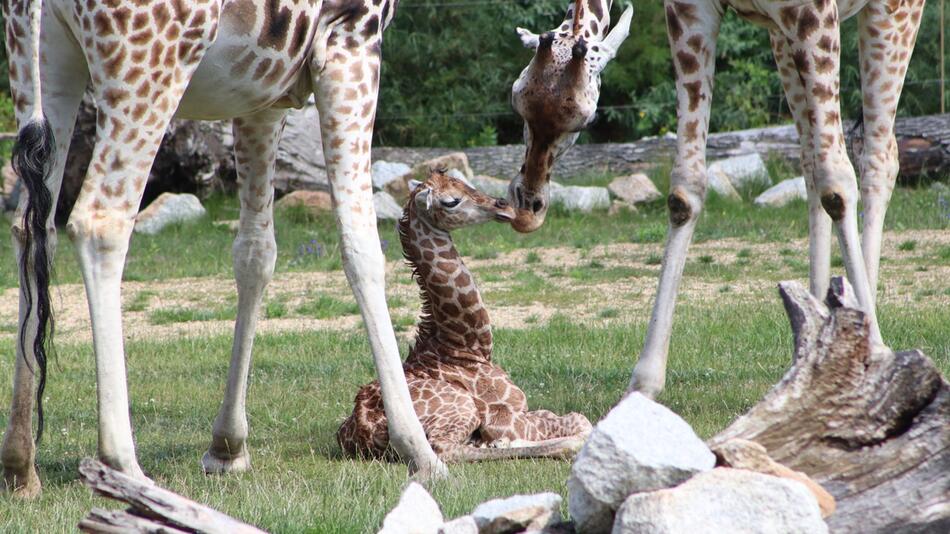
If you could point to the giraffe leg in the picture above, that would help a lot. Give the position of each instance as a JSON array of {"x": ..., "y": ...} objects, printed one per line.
[
  {"x": 814, "y": 43},
  {"x": 346, "y": 93},
  {"x": 692, "y": 30},
  {"x": 886, "y": 43},
  {"x": 137, "y": 87},
  {"x": 819, "y": 223},
  {"x": 255, "y": 252},
  {"x": 65, "y": 69}
]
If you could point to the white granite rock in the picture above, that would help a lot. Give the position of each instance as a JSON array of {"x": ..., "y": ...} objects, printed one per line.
[
  {"x": 741, "y": 171},
  {"x": 723, "y": 500},
  {"x": 720, "y": 183},
  {"x": 782, "y": 193},
  {"x": 168, "y": 208},
  {"x": 387, "y": 208},
  {"x": 416, "y": 513},
  {"x": 518, "y": 513},
  {"x": 635, "y": 189},
  {"x": 578, "y": 198},
  {"x": 490, "y": 185},
  {"x": 385, "y": 172},
  {"x": 639, "y": 446}
]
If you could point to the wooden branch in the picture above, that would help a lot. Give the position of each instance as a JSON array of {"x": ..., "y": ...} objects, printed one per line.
[
  {"x": 872, "y": 427},
  {"x": 153, "y": 509},
  {"x": 120, "y": 522}
]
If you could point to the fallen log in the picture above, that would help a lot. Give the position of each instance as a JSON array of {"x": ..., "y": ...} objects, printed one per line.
[
  {"x": 153, "y": 509},
  {"x": 870, "y": 425},
  {"x": 923, "y": 145}
]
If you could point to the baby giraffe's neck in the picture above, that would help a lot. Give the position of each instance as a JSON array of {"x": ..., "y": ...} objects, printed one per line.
[{"x": 453, "y": 313}]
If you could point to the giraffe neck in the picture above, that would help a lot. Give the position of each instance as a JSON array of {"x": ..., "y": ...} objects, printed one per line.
[{"x": 453, "y": 314}]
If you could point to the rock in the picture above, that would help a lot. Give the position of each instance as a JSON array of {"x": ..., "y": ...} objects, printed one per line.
[
  {"x": 744, "y": 454},
  {"x": 398, "y": 188},
  {"x": 742, "y": 171},
  {"x": 385, "y": 172},
  {"x": 618, "y": 206},
  {"x": 639, "y": 446},
  {"x": 455, "y": 160},
  {"x": 518, "y": 513},
  {"x": 169, "y": 208},
  {"x": 314, "y": 202},
  {"x": 782, "y": 193},
  {"x": 577, "y": 198},
  {"x": 416, "y": 513},
  {"x": 634, "y": 189},
  {"x": 387, "y": 208},
  {"x": 937, "y": 187},
  {"x": 490, "y": 185},
  {"x": 719, "y": 183},
  {"x": 460, "y": 525},
  {"x": 723, "y": 500}
]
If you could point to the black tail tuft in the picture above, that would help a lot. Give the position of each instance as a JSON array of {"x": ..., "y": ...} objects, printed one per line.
[{"x": 32, "y": 159}]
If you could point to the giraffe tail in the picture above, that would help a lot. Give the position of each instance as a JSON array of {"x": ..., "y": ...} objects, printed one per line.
[
  {"x": 32, "y": 160},
  {"x": 559, "y": 448}
]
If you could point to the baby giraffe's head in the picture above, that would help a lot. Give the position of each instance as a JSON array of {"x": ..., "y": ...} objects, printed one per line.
[{"x": 448, "y": 203}]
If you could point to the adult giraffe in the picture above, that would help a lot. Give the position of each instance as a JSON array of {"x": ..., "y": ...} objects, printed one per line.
[
  {"x": 147, "y": 61},
  {"x": 557, "y": 97}
]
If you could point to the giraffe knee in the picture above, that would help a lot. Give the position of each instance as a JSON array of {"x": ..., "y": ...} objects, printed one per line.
[
  {"x": 834, "y": 205},
  {"x": 681, "y": 207}
]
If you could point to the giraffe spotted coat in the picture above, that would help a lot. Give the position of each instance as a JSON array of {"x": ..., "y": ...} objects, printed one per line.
[{"x": 462, "y": 398}]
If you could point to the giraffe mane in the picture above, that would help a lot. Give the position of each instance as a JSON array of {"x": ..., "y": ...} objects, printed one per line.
[{"x": 427, "y": 324}]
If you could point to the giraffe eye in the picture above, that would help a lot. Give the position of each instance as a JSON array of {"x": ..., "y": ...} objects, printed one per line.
[{"x": 451, "y": 202}]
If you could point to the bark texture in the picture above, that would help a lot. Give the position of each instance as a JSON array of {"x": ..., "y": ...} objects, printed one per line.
[
  {"x": 871, "y": 426},
  {"x": 152, "y": 509}
]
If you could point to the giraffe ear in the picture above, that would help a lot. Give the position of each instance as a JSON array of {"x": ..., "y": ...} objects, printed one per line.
[
  {"x": 413, "y": 185},
  {"x": 528, "y": 39},
  {"x": 619, "y": 34}
]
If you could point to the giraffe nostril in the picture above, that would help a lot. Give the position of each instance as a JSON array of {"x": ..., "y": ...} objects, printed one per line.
[
  {"x": 537, "y": 205},
  {"x": 501, "y": 203}
]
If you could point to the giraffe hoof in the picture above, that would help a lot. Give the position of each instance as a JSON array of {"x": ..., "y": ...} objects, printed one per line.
[
  {"x": 22, "y": 485},
  {"x": 430, "y": 473},
  {"x": 213, "y": 465}
]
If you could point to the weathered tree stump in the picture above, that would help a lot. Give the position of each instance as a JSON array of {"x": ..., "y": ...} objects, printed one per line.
[
  {"x": 871, "y": 426},
  {"x": 153, "y": 509}
]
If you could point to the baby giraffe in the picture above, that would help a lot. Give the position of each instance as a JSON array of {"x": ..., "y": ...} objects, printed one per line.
[{"x": 464, "y": 401}]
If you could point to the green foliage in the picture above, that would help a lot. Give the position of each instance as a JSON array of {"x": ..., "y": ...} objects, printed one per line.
[{"x": 448, "y": 72}]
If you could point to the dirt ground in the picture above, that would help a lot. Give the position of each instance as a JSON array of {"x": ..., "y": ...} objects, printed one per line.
[{"x": 906, "y": 276}]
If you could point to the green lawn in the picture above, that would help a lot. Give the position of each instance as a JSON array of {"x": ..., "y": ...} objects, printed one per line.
[{"x": 302, "y": 384}]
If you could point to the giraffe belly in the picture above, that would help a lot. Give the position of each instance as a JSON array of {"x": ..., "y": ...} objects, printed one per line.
[
  {"x": 248, "y": 68},
  {"x": 757, "y": 11}
]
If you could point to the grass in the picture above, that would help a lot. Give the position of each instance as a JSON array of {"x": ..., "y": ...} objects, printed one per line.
[
  {"x": 326, "y": 307},
  {"x": 302, "y": 383},
  {"x": 187, "y": 315},
  {"x": 301, "y": 387},
  {"x": 308, "y": 243}
]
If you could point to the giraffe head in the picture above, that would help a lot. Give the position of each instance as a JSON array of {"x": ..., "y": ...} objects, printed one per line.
[
  {"x": 557, "y": 94},
  {"x": 448, "y": 203}
]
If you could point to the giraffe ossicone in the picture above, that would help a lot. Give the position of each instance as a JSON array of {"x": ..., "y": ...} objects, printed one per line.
[{"x": 468, "y": 405}]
